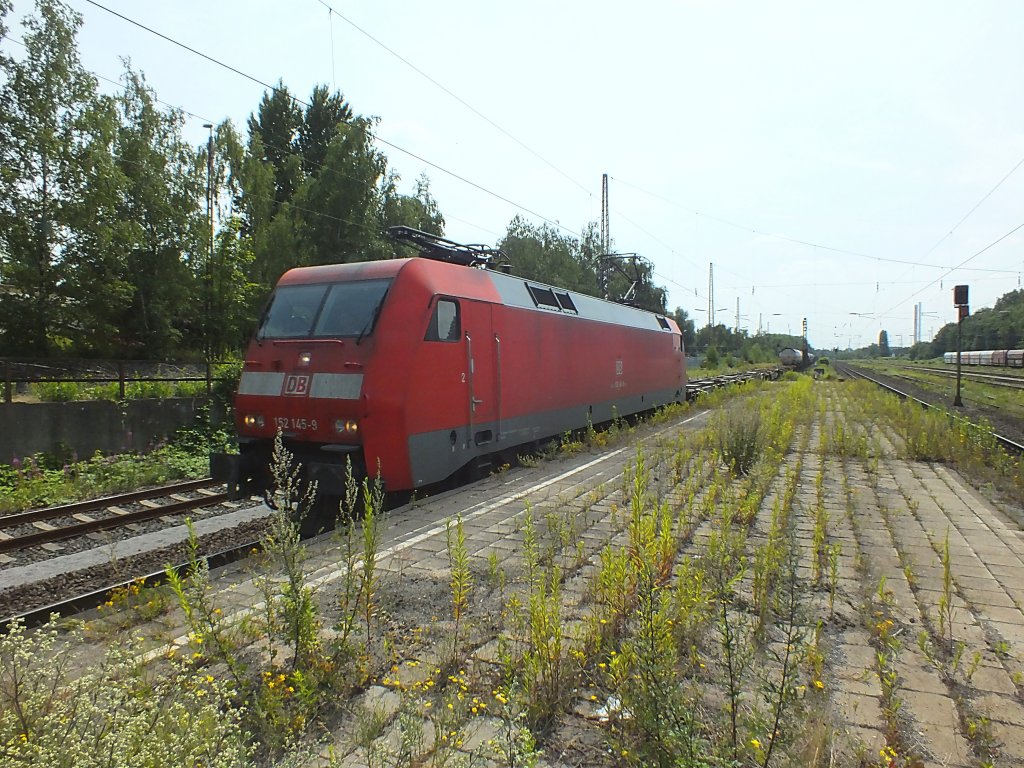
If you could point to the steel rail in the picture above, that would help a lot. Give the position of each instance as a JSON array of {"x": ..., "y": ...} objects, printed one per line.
[
  {"x": 118, "y": 521},
  {"x": 90, "y": 505},
  {"x": 996, "y": 380},
  {"x": 38, "y": 616}
]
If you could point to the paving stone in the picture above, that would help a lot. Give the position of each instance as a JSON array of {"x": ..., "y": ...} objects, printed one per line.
[
  {"x": 866, "y": 742},
  {"x": 478, "y": 731},
  {"x": 1003, "y": 709},
  {"x": 858, "y": 709},
  {"x": 923, "y": 680},
  {"x": 992, "y": 680},
  {"x": 945, "y": 743},
  {"x": 1009, "y": 741}
]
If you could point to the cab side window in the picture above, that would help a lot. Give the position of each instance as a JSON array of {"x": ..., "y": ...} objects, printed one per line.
[{"x": 445, "y": 323}]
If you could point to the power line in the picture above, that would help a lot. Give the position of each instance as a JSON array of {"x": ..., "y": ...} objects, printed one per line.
[
  {"x": 798, "y": 241},
  {"x": 375, "y": 136},
  {"x": 976, "y": 207},
  {"x": 454, "y": 95},
  {"x": 959, "y": 266},
  {"x": 283, "y": 150}
]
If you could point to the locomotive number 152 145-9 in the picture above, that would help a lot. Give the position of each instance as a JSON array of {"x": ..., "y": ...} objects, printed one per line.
[{"x": 284, "y": 423}]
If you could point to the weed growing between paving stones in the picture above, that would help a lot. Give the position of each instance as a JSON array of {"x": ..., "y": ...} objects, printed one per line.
[
  {"x": 135, "y": 602},
  {"x": 462, "y": 580},
  {"x": 373, "y": 504},
  {"x": 740, "y": 438},
  {"x": 280, "y": 670},
  {"x": 936, "y": 435}
]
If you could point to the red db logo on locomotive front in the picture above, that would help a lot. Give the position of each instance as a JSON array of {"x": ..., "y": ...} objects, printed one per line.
[{"x": 296, "y": 385}]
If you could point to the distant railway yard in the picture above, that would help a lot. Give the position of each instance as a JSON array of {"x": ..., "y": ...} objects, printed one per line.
[{"x": 801, "y": 572}]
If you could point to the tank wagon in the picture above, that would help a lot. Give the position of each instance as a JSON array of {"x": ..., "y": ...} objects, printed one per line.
[
  {"x": 1010, "y": 358},
  {"x": 795, "y": 359},
  {"x": 414, "y": 368}
]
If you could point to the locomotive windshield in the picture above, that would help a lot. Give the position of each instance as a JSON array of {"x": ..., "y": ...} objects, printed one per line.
[{"x": 324, "y": 310}]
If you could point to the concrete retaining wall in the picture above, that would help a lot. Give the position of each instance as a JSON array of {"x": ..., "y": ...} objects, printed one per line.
[{"x": 89, "y": 426}]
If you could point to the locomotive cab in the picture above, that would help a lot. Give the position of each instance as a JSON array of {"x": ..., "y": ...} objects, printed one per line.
[{"x": 303, "y": 376}]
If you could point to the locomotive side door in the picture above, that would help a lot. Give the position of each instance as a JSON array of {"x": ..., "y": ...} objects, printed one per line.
[{"x": 483, "y": 374}]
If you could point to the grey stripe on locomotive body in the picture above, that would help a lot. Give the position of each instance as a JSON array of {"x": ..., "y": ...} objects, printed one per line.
[
  {"x": 433, "y": 457},
  {"x": 514, "y": 293},
  {"x": 337, "y": 386},
  {"x": 260, "y": 383}
]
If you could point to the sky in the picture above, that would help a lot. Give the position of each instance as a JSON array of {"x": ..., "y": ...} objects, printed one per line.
[{"x": 838, "y": 162}]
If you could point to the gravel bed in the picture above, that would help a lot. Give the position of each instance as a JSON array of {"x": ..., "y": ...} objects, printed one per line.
[{"x": 36, "y": 595}]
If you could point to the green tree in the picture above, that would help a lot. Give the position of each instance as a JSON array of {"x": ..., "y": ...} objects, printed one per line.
[
  {"x": 337, "y": 214},
  {"x": 44, "y": 100},
  {"x": 166, "y": 228},
  {"x": 321, "y": 120},
  {"x": 883, "y": 343},
  {"x": 276, "y": 124},
  {"x": 419, "y": 210},
  {"x": 331, "y": 212}
]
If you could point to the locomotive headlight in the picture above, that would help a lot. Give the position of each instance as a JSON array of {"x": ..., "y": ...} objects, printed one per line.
[
  {"x": 346, "y": 426},
  {"x": 252, "y": 420}
]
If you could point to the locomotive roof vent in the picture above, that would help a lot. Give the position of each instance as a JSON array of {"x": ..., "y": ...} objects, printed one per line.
[{"x": 436, "y": 247}]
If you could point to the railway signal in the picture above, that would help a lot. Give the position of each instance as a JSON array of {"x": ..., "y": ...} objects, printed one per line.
[{"x": 960, "y": 302}]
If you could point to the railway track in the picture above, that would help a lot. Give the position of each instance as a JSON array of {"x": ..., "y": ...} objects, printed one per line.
[
  {"x": 845, "y": 370},
  {"x": 1008, "y": 381},
  {"x": 24, "y": 531}
]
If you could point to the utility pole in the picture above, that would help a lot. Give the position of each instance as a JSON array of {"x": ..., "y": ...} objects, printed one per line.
[
  {"x": 209, "y": 256},
  {"x": 711, "y": 294},
  {"x": 602, "y": 270}
]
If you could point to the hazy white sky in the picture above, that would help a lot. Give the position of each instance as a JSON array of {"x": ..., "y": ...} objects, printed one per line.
[{"x": 730, "y": 130}]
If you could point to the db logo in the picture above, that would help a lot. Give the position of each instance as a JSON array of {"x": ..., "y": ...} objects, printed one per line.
[{"x": 296, "y": 385}]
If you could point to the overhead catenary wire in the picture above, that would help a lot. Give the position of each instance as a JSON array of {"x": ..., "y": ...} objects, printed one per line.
[
  {"x": 285, "y": 151},
  {"x": 375, "y": 136},
  {"x": 459, "y": 99},
  {"x": 799, "y": 241}
]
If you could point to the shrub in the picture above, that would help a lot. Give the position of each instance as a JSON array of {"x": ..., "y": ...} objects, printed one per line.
[
  {"x": 115, "y": 714},
  {"x": 740, "y": 439}
]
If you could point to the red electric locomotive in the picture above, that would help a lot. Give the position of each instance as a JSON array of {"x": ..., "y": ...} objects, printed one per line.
[{"x": 418, "y": 367}]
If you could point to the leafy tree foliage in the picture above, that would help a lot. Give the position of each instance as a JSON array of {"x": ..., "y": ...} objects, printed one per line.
[
  {"x": 106, "y": 244},
  {"x": 276, "y": 125},
  {"x": 1001, "y": 327},
  {"x": 46, "y": 100},
  {"x": 883, "y": 343},
  {"x": 419, "y": 210}
]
